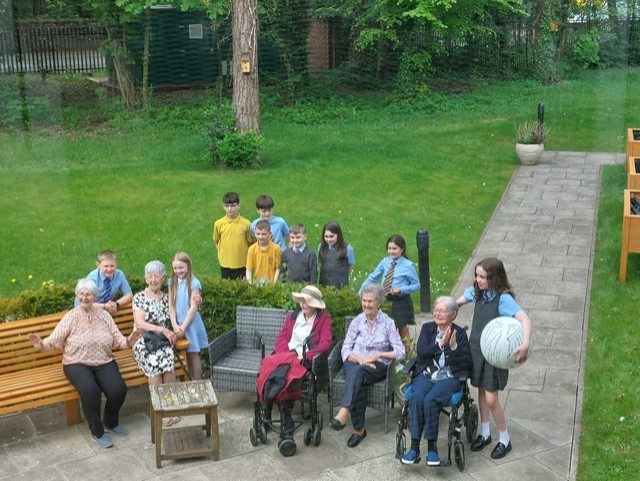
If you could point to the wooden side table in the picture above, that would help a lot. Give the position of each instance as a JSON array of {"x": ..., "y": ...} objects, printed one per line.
[{"x": 184, "y": 399}]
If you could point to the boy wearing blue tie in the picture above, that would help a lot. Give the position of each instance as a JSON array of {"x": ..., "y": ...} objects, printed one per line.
[{"x": 109, "y": 280}]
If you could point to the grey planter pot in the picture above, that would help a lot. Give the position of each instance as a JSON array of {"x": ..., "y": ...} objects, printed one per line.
[{"x": 529, "y": 154}]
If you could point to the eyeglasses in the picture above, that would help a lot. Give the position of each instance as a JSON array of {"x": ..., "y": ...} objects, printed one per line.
[{"x": 441, "y": 311}]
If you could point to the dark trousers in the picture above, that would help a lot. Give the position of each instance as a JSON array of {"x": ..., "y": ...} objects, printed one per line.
[
  {"x": 424, "y": 407},
  {"x": 356, "y": 380},
  {"x": 91, "y": 382},
  {"x": 229, "y": 273}
]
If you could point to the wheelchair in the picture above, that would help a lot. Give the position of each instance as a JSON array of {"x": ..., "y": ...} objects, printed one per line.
[
  {"x": 306, "y": 390},
  {"x": 461, "y": 410}
]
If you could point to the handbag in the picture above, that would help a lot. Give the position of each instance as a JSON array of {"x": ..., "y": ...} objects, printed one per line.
[{"x": 154, "y": 341}]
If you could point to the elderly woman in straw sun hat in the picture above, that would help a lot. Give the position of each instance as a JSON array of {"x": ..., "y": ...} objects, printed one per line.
[{"x": 309, "y": 318}]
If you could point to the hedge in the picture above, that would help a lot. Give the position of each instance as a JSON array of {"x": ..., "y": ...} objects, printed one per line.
[{"x": 219, "y": 300}]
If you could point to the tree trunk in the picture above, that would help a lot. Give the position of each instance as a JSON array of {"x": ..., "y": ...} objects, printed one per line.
[
  {"x": 118, "y": 51},
  {"x": 146, "y": 59},
  {"x": 246, "y": 93}
]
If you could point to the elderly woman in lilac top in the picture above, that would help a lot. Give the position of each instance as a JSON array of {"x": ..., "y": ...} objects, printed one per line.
[{"x": 370, "y": 345}]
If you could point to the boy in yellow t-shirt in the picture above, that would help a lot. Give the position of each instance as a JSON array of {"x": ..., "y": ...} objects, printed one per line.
[
  {"x": 263, "y": 258},
  {"x": 232, "y": 238}
]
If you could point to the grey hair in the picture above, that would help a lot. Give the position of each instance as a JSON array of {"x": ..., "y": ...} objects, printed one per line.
[
  {"x": 376, "y": 289},
  {"x": 155, "y": 266},
  {"x": 450, "y": 303},
  {"x": 89, "y": 285}
]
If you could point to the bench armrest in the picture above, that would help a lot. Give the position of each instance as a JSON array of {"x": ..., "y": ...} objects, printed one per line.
[
  {"x": 222, "y": 346},
  {"x": 182, "y": 345}
]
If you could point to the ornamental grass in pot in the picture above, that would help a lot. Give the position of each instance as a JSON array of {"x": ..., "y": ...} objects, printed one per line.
[{"x": 530, "y": 137}]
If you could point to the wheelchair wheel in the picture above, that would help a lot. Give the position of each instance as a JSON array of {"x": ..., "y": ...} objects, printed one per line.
[
  {"x": 287, "y": 447},
  {"x": 401, "y": 445},
  {"x": 317, "y": 436},
  {"x": 308, "y": 436},
  {"x": 472, "y": 423},
  {"x": 459, "y": 455},
  {"x": 262, "y": 434},
  {"x": 253, "y": 436}
]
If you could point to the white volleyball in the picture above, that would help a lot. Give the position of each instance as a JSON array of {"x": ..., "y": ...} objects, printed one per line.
[{"x": 500, "y": 338}]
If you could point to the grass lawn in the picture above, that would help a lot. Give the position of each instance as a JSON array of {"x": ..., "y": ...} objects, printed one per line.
[
  {"x": 609, "y": 442},
  {"x": 146, "y": 191}
]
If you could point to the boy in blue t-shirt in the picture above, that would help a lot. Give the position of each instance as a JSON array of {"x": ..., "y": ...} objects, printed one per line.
[
  {"x": 109, "y": 280},
  {"x": 279, "y": 228}
]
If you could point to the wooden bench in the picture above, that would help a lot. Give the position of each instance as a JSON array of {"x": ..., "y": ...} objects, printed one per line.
[
  {"x": 30, "y": 379},
  {"x": 235, "y": 356}
]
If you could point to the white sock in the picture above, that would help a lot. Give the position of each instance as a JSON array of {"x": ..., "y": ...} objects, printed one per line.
[
  {"x": 486, "y": 432},
  {"x": 504, "y": 437}
]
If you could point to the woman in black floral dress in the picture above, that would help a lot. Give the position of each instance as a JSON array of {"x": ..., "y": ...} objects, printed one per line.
[{"x": 151, "y": 313}]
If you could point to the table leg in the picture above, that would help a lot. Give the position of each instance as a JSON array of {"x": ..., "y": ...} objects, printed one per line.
[
  {"x": 215, "y": 435},
  {"x": 152, "y": 416},
  {"x": 158, "y": 435},
  {"x": 207, "y": 424}
]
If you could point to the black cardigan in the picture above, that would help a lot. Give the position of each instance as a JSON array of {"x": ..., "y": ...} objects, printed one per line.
[{"x": 428, "y": 350}]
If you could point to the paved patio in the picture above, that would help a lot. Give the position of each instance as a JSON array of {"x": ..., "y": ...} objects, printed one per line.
[{"x": 544, "y": 231}]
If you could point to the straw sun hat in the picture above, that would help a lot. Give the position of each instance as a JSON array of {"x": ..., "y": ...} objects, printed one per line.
[{"x": 311, "y": 295}]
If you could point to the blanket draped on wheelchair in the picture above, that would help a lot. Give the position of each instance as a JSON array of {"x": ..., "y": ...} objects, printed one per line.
[{"x": 277, "y": 374}]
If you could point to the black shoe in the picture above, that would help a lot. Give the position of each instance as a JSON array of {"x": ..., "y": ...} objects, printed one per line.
[
  {"x": 336, "y": 425},
  {"x": 480, "y": 443},
  {"x": 355, "y": 439},
  {"x": 500, "y": 451}
]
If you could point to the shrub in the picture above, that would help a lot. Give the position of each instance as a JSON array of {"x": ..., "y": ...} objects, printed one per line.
[
  {"x": 228, "y": 147},
  {"x": 237, "y": 150},
  {"x": 21, "y": 112},
  {"x": 586, "y": 50},
  {"x": 48, "y": 299}
]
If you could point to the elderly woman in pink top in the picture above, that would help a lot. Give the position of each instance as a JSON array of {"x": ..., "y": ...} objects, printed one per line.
[{"x": 87, "y": 336}]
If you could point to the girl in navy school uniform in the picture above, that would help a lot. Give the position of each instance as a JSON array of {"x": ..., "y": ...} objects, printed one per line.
[
  {"x": 184, "y": 300},
  {"x": 335, "y": 257},
  {"x": 493, "y": 297},
  {"x": 398, "y": 288}
]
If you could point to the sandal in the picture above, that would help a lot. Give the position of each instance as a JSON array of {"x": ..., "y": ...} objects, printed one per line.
[{"x": 166, "y": 422}]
